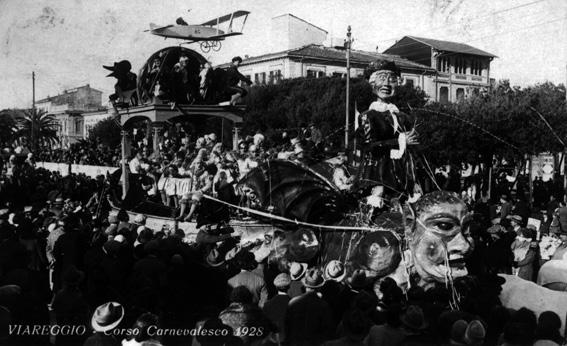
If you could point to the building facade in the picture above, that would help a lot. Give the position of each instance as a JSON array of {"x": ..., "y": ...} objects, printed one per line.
[
  {"x": 461, "y": 70},
  {"x": 445, "y": 71},
  {"x": 317, "y": 61},
  {"x": 68, "y": 109}
]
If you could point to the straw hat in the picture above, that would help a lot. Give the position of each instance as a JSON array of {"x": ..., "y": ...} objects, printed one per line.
[
  {"x": 297, "y": 270},
  {"x": 335, "y": 270},
  {"x": 313, "y": 278},
  {"x": 107, "y": 317}
]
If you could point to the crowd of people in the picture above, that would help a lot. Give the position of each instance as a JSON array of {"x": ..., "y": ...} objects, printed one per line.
[{"x": 66, "y": 260}]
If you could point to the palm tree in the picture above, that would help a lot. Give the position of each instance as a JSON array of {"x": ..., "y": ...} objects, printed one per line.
[{"x": 44, "y": 128}]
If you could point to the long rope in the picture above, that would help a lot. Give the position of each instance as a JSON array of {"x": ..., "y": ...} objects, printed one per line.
[
  {"x": 290, "y": 221},
  {"x": 549, "y": 126},
  {"x": 472, "y": 124}
]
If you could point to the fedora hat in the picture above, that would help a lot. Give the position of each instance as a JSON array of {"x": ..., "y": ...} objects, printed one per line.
[
  {"x": 214, "y": 258},
  {"x": 313, "y": 278},
  {"x": 297, "y": 270},
  {"x": 107, "y": 316},
  {"x": 475, "y": 333},
  {"x": 413, "y": 318},
  {"x": 516, "y": 218},
  {"x": 335, "y": 270}
]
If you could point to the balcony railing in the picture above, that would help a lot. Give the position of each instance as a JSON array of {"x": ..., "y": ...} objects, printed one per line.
[{"x": 461, "y": 77}]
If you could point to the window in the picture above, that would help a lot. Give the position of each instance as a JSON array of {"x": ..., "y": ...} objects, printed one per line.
[
  {"x": 320, "y": 74},
  {"x": 476, "y": 67},
  {"x": 443, "y": 65},
  {"x": 444, "y": 95},
  {"x": 410, "y": 82},
  {"x": 460, "y": 94},
  {"x": 275, "y": 76},
  {"x": 338, "y": 74},
  {"x": 311, "y": 74},
  {"x": 460, "y": 65},
  {"x": 256, "y": 78},
  {"x": 271, "y": 78},
  {"x": 263, "y": 77}
]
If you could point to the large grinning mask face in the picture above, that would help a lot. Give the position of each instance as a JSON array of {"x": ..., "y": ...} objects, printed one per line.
[
  {"x": 384, "y": 83},
  {"x": 440, "y": 239}
]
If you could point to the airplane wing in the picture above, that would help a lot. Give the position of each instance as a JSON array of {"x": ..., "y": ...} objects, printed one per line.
[
  {"x": 221, "y": 37},
  {"x": 226, "y": 18},
  {"x": 157, "y": 27}
]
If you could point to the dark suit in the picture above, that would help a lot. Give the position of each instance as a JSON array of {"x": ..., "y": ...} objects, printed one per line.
[
  {"x": 308, "y": 320},
  {"x": 100, "y": 339},
  {"x": 275, "y": 309}
]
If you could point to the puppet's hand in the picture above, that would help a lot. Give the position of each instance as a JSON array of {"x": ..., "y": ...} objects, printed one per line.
[{"x": 411, "y": 137}]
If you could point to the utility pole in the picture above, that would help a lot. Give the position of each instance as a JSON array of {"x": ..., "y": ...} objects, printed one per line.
[
  {"x": 348, "y": 43},
  {"x": 33, "y": 113}
]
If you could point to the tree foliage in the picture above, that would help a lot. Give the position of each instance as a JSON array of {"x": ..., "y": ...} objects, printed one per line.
[
  {"x": 38, "y": 127},
  {"x": 106, "y": 132},
  {"x": 8, "y": 127},
  {"x": 503, "y": 122},
  {"x": 297, "y": 102}
]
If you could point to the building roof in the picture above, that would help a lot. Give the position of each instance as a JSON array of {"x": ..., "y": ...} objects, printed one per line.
[
  {"x": 333, "y": 54},
  {"x": 67, "y": 92},
  {"x": 303, "y": 20},
  {"x": 449, "y": 46}
]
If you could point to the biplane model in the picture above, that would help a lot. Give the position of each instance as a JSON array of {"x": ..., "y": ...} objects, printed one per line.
[{"x": 208, "y": 33}]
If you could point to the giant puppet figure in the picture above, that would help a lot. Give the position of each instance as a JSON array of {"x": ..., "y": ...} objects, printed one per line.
[
  {"x": 438, "y": 238},
  {"x": 384, "y": 133},
  {"x": 431, "y": 244}
]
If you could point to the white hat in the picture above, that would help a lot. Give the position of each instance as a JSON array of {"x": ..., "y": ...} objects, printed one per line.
[
  {"x": 107, "y": 316},
  {"x": 120, "y": 238}
]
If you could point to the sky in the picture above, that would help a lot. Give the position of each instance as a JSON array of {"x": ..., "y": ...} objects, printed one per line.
[{"x": 66, "y": 42}]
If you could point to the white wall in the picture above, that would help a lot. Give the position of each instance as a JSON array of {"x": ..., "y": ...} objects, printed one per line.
[{"x": 289, "y": 32}]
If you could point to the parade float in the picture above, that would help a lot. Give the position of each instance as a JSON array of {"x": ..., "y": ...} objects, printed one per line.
[{"x": 383, "y": 225}]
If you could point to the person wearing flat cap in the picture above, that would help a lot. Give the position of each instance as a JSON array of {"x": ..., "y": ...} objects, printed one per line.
[
  {"x": 309, "y": 320},
  {"x": 276, "y": 307}
]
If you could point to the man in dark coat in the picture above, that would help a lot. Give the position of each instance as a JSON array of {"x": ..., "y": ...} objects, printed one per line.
[
  {"x": 276, "y": 307},
  {"x": 247, "y": 278},
  {"x": 233, "y": 77},
  {"x": 308, "y": 320}
]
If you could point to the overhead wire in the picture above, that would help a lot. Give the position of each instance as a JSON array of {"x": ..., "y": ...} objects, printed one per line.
[{"x": 478, "y": 17}]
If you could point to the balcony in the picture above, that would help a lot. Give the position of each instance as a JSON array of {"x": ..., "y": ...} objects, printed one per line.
[{"x": 460, "y": 78}]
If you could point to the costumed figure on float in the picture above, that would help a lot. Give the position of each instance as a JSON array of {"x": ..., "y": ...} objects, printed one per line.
[{"x": 385, "y": 133}]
